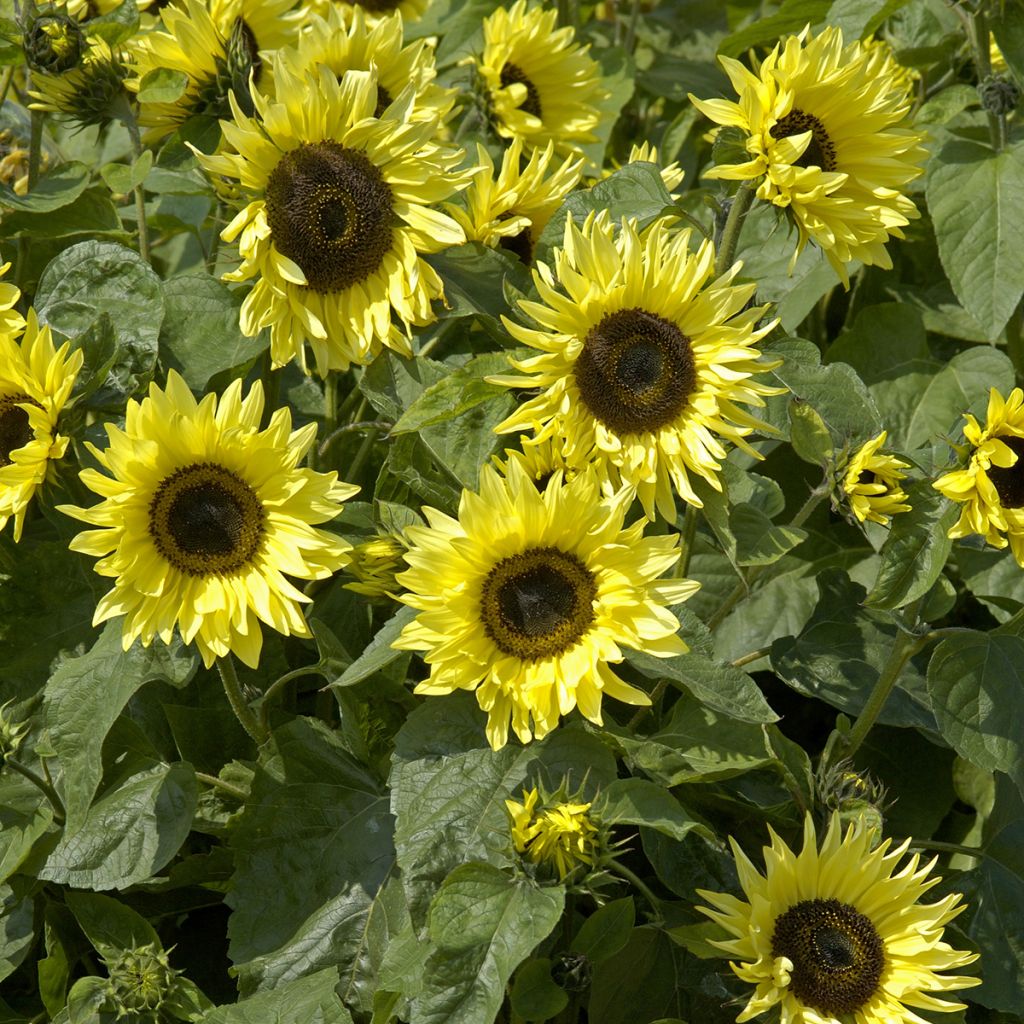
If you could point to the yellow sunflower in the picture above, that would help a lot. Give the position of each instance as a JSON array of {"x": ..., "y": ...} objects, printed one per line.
[
  {"x": 203, "y": 516},
  {"x": 35, "y": 383},
  {"x": 216, "y": 48},
  {"x": 529, "y": 595},
  {"x": 352, "y": 40},
  {"x": 645, "y": 358},
  {"x": 837, "y": 934},
  {"x": 991, "y": 486},
  {"x": 511, "y": 210},
  {"x": 542, "y": 85},
  {"x": 11, "y": 321},
  {"x": 561, "y": 834},
  {"x": 672, "y": 175},
  {"x": 91, "y": 93},
  {"x": 411, "y": 10},
  {"x": 828, "y": 139},
  {"x": 539, "y": 459},
  {"x": 338, "y": 217},
  {"x": 872, "y": 483}
]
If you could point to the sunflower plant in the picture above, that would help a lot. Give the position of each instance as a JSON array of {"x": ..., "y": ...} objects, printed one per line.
[{"x": 511, "y": 512}]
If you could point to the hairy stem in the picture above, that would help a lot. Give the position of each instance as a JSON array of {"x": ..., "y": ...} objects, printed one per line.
[
  {"x": 233, "y": 688},
  {"x": 59, "y": 814},
  {"x": 132, "y": 124},
  {"x": 733, "y": 225},
  {"x": 224, "y": 787}
]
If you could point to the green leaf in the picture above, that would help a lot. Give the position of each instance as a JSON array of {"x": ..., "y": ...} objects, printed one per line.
[
  {"x": 606, "y": 931},
  {"x": 392, "y": 383},
  {"x": 25, "y": 815},
  {"x": 993, "y": 579},
  {"x": 100, "y": 277},
  {"x": 976, "y": 199},
  {"x": 130, "y": 833},
  {"x": 455, "y": 394},
  {"x": 808, "y": 434},
  {"x": 634, "y": 191},
  {"x": 535, "y": 996},
  {"x": 484, "y": 923},
  {"x": 841, "y": 651},
  {"x": 84, "y": 697},
  {"x": 17, "y": 924},
  {"x": 859, "y": 19},
  {"x": 117, "y": 25},
  {"x": 200, "y": 336},
  {"x": 639, "y": 802},
  {"x": 475, "y": 278},
  {"x": 301, "y": 895},
  {"x": 307, "y": 1000},
  {"x": 162, "y": 85},
  {"x": 1007, "y": 26},
  {"x": 55, "y": 188},
  {"x": 92, "y": 213},
  {"x": 976, "y": 681},
  {"x": 759, "y": 541},
  {"x": 379, "y": 653},
  {"x": 789, "y": 19},
  {"x": 721, "y": 687},
  {"x": 916, "y": 550},
  {"x": 109, "y": 924}
]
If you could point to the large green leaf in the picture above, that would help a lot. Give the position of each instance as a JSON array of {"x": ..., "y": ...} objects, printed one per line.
[
  {"x": 790, "y": 18},
  {"x": 24, "y": 816},
  {"x": 54, "y": 189},
  {"x": 976, "y": 199},
  {"x": 976, "y": 681},
  {"x": 308, "y": 1000},
  {"x": 130, "y": 833},
  {"x": 17, "y": 924},
  {"x": 84, "y": 697},
  {"x": 109, "y": 924},
  {"x": 312, "y": 847},
  {"x": 483, "y": 922},
  {"x": 639, "y": 802}
]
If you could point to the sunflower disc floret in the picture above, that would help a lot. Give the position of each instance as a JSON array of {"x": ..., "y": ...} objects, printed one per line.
[
  {"x": 838, "y": 934},
  {"x": 828, "y": 140},
  {"x": 531, "y": 595},
  {"x": 202, "y": 517},
  {"x": 646, "y": 359}
]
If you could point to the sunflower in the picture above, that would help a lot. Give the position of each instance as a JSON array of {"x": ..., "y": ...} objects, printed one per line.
[
  {"x": 510, "y": 211},
  {"x": 92, "y": 93},
  {"x": 529, "y": 595},
  {"x": 542, "y": 85},
  {"x": 338, "y": 218},
  {"x": 827, "y": 134},
  {"x": 835, "y": 935},
  {"x": 411, "y": 10},
  {"x": 353, "y": 41},
  {"x": 216, "y": 49},
  {"x": 560, "y": 834},
  {"x": 644, "y": 359},
  {"x": 35, "y": 383},
  {"x": 872, "y": 483},
  {"x": 203, "y": 514},
  {"x": 11, "y": 321},
  {"x": 540, "y": 460},
  {"x": 991, "y": 486}
]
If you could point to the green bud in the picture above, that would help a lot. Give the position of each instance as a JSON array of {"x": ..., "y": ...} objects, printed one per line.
[
  {"x": 11, "y": 732},
  {"x": 53, "y": 43},
  {"x": 999, "y": 95},
  {"x": 140, "y": 981},
  {"x": 243, "y": 58}
]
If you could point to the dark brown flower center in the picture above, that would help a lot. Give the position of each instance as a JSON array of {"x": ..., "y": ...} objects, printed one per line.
[
  {"x": 837, "y": 955},
  {"x": 1009, "y": 482},
  {"x": 379, "y": 6},
  {"x": 329, "y": 210},
  {"x": 538, "y": 603},
  {"x": 820, "y": 151},
  {"x": 636, "y": 371},
  {"x": 206, "y": 520},
  {"x": 512, "y": 74},
  {"x": 15, "y": 429}
]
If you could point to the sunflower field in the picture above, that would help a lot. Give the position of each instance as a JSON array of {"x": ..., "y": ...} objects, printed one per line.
[{"x": 511, "y": 512}]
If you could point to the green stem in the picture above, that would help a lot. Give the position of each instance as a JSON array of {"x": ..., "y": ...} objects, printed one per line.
[
  {"x": 132, "y": 125},
  {"x": 352, "y": 428},
  {"x": 940, "y": 847},
  {"x": 903, "y": 648},
  {"x": 977, "y": 33},
  {"x": 656, "y": 694},
  {"x": 35, "y": 148},
  {"x": 748, "y": 659},
  {"x": 250, "y": 723},
  {"x": 733, "y": 225},
  {"x": 362, "y": 454},
  {"x": 224, "y": 787},
  {"x": 634, "y": 18},
  {"x": 640, "y": 885},
  {"x": 59, "y": 814},
  {"x": 5, "y": 83},
  {"x": 278, "y": 685}
]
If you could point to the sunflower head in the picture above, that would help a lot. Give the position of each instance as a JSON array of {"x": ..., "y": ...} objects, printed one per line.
[
  {"x": 827, "y": 139},
  {"x": 541, "y": 85},
  {"x": 871, "y": 483},
  {"x": 556, "y": 832},
  {"x": 646, "y": 359},
  {"x": 203, "y": 516},
  {"x": 990, "y": 488},
  {"x": 530, "y": 595},
  {"x": 836, "y": 932}
]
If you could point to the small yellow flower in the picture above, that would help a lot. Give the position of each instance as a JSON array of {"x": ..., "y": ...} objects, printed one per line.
[
  {"x": 872, "y": 483},
  {"x": 991, "y": 486},
  {"x": 838, "y": 934},
  {"x": 559, "y": 834}
]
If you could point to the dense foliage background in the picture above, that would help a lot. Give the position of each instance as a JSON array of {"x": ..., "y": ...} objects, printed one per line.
[{"x": 358, "y": 865}]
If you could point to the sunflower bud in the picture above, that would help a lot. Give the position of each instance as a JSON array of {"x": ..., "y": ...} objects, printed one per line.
[
  {"x": 374, "y": 564},
  {"x": 53, "y": 43},
  {"x": 243, "y": 59},
  {"x": 855, "y": 796},
  {"x": 999, "y": 95},
  {"x": 140, "y": 981},
  {"x": 91, "y": 94},
  {"x": 11, "y": 732}
]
